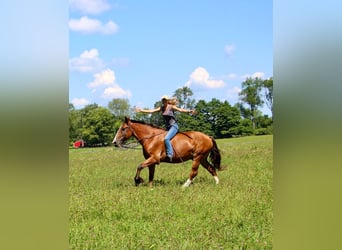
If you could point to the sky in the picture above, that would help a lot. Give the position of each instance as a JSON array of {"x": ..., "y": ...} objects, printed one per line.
[{"x": 141, "y": 50}]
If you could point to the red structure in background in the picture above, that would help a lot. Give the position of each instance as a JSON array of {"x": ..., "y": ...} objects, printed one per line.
[{"x": 79, "y": 144}]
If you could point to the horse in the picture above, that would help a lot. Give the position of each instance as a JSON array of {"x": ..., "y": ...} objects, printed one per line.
[{"x": 193, "y": 145}]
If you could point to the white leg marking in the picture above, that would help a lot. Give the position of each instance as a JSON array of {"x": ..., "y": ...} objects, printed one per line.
[
  {"x": 216, "y": 179},
  {"x": 187, "y": 183}
]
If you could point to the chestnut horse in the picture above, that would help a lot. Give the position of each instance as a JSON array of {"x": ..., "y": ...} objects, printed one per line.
[{"x": 187, "y": 145}]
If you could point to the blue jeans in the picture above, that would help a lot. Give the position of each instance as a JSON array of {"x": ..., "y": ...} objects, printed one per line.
[{"x": 170, "y": 134}]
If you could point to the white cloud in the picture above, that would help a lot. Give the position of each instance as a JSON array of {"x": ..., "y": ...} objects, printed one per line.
[
  {"x": 79, "y": 102},
  {"x": 88, "y": 61},
  {"x": 105, "y": 77},
  {"x": 89, "y": 6},
  {"x": 105, "y": 80},
  {"x": 229, "y": 50},
  {"x": 201, "y": 77},
  {"x": 90, "y": 54},
  {"x": 254, "y": 75},
  {"x": 116, "y": 91},
  {"x": 87, "y": 25}
]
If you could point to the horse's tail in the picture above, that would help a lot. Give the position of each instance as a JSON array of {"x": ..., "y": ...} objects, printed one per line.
[{"x": 215, "y": 156}]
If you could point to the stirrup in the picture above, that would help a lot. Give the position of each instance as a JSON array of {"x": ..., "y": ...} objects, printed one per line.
[{"x": 169, "y": 158}]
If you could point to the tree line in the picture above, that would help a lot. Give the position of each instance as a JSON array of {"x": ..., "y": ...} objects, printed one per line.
[{"x": 96, "y": 125}]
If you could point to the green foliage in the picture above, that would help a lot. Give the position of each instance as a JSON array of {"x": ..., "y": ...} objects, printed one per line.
[
  {"x": 98, "y": 126},
  {"x": 264, "y": 125},
  {"x": 89, "y": 107},
  {"x": 268, "y": 92},
  {"x": 263, "y": 121},
  {"x": 245, "y": 112},
  {"x": 264, "y": 131},
  {"x": 201, "y": 119},
  {"x": 244, "y": 128},
  {"x": 218, "y": 118},
  {"x": 120, "y": 108},
  {"x": 183, "y": 96},
  {"x": 75, "y": 125},
  {"x": 107, "y": 211},
  {"x": 253, "y": 91},
  {"x": 251, "y": 95}
]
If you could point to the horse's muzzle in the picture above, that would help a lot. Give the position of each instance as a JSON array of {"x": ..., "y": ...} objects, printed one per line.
[{"x": 116, "y": 144}]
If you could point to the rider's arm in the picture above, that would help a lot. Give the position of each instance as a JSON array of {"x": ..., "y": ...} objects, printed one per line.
[
  {"x": 147, "y": 110},
  {"x": 190, "y": 111}
]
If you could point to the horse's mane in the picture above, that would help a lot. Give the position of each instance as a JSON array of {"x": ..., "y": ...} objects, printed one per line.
[{"x": 149, "y": 124}]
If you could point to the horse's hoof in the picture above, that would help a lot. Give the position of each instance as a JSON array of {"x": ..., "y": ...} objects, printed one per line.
[{"x": 138, "y": 180}]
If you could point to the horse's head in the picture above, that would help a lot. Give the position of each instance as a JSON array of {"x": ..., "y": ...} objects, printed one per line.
[{"x": 123, "y": 134}]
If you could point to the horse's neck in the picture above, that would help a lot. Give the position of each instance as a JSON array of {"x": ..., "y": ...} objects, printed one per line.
[{"x": 145, "y": 131}]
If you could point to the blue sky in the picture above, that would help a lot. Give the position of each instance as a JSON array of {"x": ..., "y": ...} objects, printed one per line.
[{"x": 141, "y": 50}]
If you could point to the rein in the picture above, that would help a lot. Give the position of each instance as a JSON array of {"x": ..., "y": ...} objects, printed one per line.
[
  {"x": 144, "y": 138},
  {"x": 131, "y": 145}
]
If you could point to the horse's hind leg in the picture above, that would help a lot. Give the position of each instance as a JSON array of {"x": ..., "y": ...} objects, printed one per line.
[
  {"x": 210, "y": 168},
  {"x": 193, "y": 173}
]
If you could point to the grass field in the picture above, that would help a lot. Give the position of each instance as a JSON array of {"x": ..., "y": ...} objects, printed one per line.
[{"x": 107, "y": 211}]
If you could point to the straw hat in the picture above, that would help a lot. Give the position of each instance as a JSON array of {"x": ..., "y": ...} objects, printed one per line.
[{"x": 164, "y": 97}]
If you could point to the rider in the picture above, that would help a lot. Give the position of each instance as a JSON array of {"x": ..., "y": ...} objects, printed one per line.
[{"x": 167, "y": 109}]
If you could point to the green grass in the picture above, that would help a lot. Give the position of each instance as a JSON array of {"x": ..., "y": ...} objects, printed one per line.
[{"x": 107, "y": 211}]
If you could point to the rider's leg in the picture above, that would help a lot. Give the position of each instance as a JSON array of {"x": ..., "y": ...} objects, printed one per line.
[{"x": 170, "y": 134}]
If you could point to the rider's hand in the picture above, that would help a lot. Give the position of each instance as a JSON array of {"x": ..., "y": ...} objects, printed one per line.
[{"x": 193, "y": 112}]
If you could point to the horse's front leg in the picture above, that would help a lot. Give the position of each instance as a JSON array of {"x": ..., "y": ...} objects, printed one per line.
[
  {"x": 151, "y": 174},
  {"x": 150, "y": 162},
  {"x": 137, "y": 178}
]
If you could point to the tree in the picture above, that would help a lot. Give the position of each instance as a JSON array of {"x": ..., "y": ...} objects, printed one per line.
[
  {"x": 229, "y": 118},
  {"x": 202, "y": 117},
  {"x": 119, "y": 107},
  {"x": 97, "y": 126},
  {"x": 244, "y": 128},
  {"x": 76, "y": 119},
  {"x": 183, "y": 97},
  {"x": 264, "y": 125},
  {"x": 223, "y": 118},
  {"x": 268, "y": 93},
  {"x": 71, "y": 107},
  {"x": 74, "y": 124},
  {"x": 251, "y": 95},
  {"x": 217, "y": 118},
  {"x": 245, "y": 112},
  {"x": 89, "y": 107}
]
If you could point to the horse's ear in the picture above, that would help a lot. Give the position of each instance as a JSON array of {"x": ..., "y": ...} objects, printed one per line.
[{"x": 127, "y": 119}]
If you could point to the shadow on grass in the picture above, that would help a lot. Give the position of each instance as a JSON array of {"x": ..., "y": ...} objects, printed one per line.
[{"x": 166, "y": 182}]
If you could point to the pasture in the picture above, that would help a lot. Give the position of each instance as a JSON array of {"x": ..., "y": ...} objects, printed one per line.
[{"x": 107, "y": 211}]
